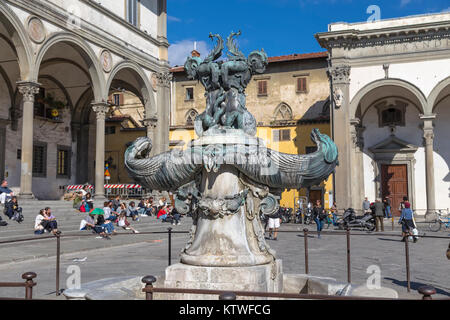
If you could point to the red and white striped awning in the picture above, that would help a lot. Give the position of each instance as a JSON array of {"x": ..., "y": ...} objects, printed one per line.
[
  {"x": 78, "y": 187},
  {"x": 107, "y": 186},
  {"x": 122, "y": 186}
]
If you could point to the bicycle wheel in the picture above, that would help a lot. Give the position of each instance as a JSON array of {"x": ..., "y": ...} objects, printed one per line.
[{"x": 435, "y": 226}]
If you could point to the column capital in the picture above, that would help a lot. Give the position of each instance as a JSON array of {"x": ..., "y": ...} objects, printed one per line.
[
  {"x": 340, "y": 74},
  {"x": 28, "y": 89},
  {"x": 164, "y": 78},
  {"x": 151, "y": 122},
  {"x": 101, "y": 109}
]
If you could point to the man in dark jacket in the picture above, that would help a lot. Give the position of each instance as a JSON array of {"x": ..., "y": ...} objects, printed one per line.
[
  {"x": 378, "y": 209},
  {"x": 319, "y": 216}
]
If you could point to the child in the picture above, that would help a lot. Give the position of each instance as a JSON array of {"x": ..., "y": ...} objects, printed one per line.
[{"x": 123, "y": 222}]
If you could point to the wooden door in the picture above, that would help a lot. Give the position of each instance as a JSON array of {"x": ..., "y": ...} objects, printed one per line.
[
  {"x": 394, "y": 184},
  {"x": 315, "y": 195}
]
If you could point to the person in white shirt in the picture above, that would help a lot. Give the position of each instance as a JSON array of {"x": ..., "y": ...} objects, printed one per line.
[{"x": 38, "y": 227}]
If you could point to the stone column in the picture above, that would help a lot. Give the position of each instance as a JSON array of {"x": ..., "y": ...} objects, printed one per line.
[
  {"x": 357, "y": 167},
  {"x": 100, "y": 109},
  {"x": 340, "y": 79},
  {"x": 151, "y": 123},
  {"x": 3, "y": 124},
  {"x": 162, "y": 128},
  {"x": 428, "y": 136},
  {"x": 162, "y": 30},
  {"x": 28, "y": 91}
]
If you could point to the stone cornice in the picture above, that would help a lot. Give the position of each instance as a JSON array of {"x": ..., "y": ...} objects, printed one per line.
[
  {"x": 159, "y": 42},
  {"x": 358, "y": 38},
  {"x": 89, "y": 32}
]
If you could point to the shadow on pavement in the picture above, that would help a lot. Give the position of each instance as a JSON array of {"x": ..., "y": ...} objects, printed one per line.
[{"x": 416, "y": 285}]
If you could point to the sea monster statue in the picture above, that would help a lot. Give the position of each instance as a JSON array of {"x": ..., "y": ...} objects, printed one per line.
[{"x": 227, "y": 177}]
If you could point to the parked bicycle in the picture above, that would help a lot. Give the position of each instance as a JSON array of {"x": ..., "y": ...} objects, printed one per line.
[{"x": 441, "y": 220}]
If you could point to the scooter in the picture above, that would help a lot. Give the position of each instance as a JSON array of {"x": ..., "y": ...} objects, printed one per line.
[
  {"x": 308, "y": 216},
  {"x": 298, "y": 216},
  {"x": 286, "y": 214},
  {"x": 350, "y": 220}
]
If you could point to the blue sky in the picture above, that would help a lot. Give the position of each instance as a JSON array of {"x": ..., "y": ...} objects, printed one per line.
[{"x": 279, "y": 26}]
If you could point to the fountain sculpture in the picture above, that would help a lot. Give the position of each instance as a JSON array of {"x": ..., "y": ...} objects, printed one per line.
[{"x": 231, "y": 177}]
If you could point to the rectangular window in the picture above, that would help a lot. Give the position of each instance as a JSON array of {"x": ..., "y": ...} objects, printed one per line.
[
  {"x": 302, "y": 85},
  {"x": 19, "y": 154},
  {"x": 110, "y": 130},
  {"x": 40, "y": 160},
  {"x": 281, "y": 135},
  {"x": 132, "y": 11},
  {"x": 63, "y": 162},
  {"x": 189, "y": 94},
  {"x": 262, "y": 88},
  {"x": 117, "y": 99}
]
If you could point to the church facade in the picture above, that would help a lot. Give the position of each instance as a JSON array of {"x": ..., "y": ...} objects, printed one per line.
[
  {"x": 390, "y": 83},
  {"x": 60, "y": 62}
]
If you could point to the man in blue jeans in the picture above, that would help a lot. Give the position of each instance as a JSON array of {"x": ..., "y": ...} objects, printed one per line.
[
  {"x": 319, "y": 216},
  {"x": 387, "y": 207}
]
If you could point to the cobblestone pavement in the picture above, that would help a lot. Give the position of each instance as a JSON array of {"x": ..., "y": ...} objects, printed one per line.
[{"x": 140, "y": 255}]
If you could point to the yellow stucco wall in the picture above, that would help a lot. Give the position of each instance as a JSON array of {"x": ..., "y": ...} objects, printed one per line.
[{"x": 300, "y": 139}]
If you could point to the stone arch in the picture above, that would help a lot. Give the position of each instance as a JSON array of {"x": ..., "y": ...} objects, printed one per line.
[
  {"x": 20, "y": 40},
  {"x": 435, "y": 96},
  {"x": 283, "y": 112},
  {"x": 60, "y": 87},
  {"x": 416, "y": 93},
  {"x": 146, "y": 91},
  {"x": 86, "y": 52}
]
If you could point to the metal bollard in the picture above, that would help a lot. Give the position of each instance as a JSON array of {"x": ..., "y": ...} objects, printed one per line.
[
  {"x": 305, "y": 231},
  {"x": 349, "y": 272},
  {"x": 58, "y": 261},
  {"x": 427, "y": 292},
  {"x": 149, "y": 281},
  {"x": 29, "y": 284},
  {"x": 170, "y": 246},
  {"x": 408, "y": 280},
  {"x": 227, "y": 296}
]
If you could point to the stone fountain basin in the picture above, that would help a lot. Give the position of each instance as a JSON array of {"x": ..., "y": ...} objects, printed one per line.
[{"x": 130, "y": 288}]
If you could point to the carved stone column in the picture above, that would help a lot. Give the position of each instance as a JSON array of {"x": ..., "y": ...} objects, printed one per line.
[
  {"x": 28, "y": 91},
  {"x": 151, "y": 124},
  {"x": 428, "y": 139},
  {"x": 340, "y": 79},
  {"x": 357, "y": 167},
  {"x": 3, "y": 124},
  {"x": 100, "y": 109},
  {"x": 163, "y": 124}
]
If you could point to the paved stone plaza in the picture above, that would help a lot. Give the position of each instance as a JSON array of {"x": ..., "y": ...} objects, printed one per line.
[{"x": 139, "y": 255}]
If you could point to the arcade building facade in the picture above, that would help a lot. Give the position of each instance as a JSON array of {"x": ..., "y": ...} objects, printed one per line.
[
  {"x": 390, "y": 83},
  {"x": 60, "y": 62}
]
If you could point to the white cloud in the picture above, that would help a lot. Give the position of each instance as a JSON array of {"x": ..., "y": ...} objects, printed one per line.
[
  {"x": 179, "y": 51},
  {"x": 404, "y": 3},
  {"x": 174, "y": 19}
]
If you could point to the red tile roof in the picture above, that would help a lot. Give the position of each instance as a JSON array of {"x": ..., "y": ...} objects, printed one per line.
[{"x": 290, "y": 57}]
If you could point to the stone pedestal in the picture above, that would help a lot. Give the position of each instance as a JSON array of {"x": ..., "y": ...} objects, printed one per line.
[{"x": 264, "y": 278}]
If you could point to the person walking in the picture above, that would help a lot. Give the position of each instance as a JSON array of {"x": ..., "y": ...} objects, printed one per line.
[
  {"x": 387, "y": 207},
  {"x": 378, "y": 209},
  {"x": 319, "y": 216},
  {"x": 274, "y": 224},
  {"x": 407, "y": 221}
]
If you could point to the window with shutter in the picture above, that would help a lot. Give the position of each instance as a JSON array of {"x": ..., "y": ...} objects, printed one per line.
[
  {"x": 63, "y": 162},
  {"x": 301, "y": 85},
  {"x": 262, "y": 88},
  {"x": 132, "y": 11},
  {"x": 281, "y": 135}
]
